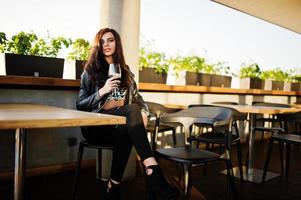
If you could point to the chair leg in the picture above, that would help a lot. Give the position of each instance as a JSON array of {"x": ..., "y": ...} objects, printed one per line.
[
  {"x": 238, "y": 146},
  {"x": 174, "y": 137},
  {"x": 287, "y": 161},
  {"x": 281, "y": 157},
  {"x": 231, "y": 192},
  {"x": 262, "y": 125},
  {"x": 220, "y": 148},
  {"x": 239, "y": 154},
  {"x": 267, "y": 160},
  {"x": 154, "y": 140},
  {"x": 247, "y": 154},
  {"x": 77, "y": 169},
  {"x": 205, "y": 165},
  {"x": 262, "y": 134},
  {"x": 187, "y": 168}
]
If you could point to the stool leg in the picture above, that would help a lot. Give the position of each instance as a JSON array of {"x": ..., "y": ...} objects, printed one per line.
[
  {"x": 98, "y": 164},
  {"x": 77, "y": 169},
  {"x": 187, "y": 183}
]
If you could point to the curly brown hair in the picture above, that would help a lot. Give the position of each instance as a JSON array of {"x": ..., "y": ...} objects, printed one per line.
[{"x": 97, "y": 64}]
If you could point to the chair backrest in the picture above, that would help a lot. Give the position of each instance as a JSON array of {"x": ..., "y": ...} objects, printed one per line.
[
  {"x": 236, "y": 115},
  {"x": 292, "y": 118},
  {"x": 215, "y": 116},
  {"x": 225, "y": 102},
  {"x": 158, "y": 109}
]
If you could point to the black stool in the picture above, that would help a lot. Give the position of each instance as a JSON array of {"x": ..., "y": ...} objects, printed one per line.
[{"x": 82, "y": 145}]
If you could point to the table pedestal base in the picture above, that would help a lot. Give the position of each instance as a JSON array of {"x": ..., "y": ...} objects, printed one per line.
[{"x": 256, "y": 177}]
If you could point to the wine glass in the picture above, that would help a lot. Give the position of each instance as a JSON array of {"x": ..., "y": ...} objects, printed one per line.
[{"x": 114, "y": 70}]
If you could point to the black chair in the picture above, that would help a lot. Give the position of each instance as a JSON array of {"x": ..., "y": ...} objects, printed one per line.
[
  {"x": 283, "y": 136},
  {"x": 216, "y": 135},
  {"x": 154, "y": 126},
  {"x": 272, "y": 119},
  {"x": 187, "y": 156},
  {"x": 82, "y": 145}
]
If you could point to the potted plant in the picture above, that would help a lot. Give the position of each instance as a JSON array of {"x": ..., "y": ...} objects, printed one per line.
[
  {"x": 295, "y": 82},
  {"x": 274, "y": 79},
  {"x": 28, "y": 55},
  {"x": 249, "y": 76},
  {"x": 199, "y": 72},
  {"x": 153, "y": 66},
  {"x": 219, "y": 76},
  {"x": 193, "y": 66},
  {"x": 79, "y": 53}
]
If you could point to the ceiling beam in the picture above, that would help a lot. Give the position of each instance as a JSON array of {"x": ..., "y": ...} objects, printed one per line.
[{"x": 284, "y": 13}]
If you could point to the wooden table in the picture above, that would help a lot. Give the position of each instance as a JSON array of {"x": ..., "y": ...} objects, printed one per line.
[
  {"x": 252, "y": 174},
  {"x": 26, "y": 116},
  {"x": 296, "y": 105}
]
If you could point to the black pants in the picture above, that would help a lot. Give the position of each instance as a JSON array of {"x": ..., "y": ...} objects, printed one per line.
[{"x": 122, "y": 138}]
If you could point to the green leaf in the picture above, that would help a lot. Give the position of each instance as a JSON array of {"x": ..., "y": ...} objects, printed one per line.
[{"x": 80, "y": 49}]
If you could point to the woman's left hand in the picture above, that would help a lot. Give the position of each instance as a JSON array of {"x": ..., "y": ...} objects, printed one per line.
[{"x": 145, "y": 118}]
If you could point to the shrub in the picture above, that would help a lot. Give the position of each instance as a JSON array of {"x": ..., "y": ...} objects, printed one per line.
[
  {"x": 275, "y": 75},
  {"x": 249, "y": 71},
  {"x": 151, "y": 59},
  {"x": 80, "y": 50},
  {"x": 3, "y": 42},
  {"x": 21, "y": 43}
]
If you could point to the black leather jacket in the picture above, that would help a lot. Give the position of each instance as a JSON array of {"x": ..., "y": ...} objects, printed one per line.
[{"x": 89, "y": 100}]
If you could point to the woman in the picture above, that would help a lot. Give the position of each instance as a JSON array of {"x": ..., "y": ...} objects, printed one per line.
[{"x": 99, "y": 93}]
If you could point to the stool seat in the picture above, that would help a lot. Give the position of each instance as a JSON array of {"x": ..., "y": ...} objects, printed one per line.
[{"x": 95, "y": 146}]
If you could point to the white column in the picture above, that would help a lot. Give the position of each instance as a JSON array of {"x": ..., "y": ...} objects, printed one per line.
[
  {"x": 2, "y": 64},
  {"x": 124, "y": 17}
]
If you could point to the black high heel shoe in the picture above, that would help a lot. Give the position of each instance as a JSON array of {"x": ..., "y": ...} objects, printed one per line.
[
  {"x": 159, "y": 184},
  {"x": 113, "y": 193}
]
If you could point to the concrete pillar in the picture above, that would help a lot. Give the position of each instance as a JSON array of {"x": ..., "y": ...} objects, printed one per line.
[{"x": 124, "y": 17}]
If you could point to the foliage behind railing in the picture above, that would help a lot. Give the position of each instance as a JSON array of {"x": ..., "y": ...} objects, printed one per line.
[{"x": 30, "y": 44}]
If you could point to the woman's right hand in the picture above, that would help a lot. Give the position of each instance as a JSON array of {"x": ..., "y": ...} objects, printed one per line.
[{"x": 110, "y": 84}]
